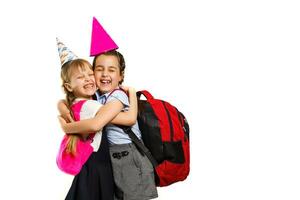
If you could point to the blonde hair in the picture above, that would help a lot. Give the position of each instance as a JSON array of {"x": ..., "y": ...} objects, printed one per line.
[{"x": 65, "y": 75}]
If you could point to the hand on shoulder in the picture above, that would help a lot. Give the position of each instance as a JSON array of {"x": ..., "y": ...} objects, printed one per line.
[{"x": 127, "y": 88}]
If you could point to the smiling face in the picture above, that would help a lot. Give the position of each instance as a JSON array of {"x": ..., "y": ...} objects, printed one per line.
[
  {"x": 82, "y": 82},
  {"x": 107, "y": 73}
]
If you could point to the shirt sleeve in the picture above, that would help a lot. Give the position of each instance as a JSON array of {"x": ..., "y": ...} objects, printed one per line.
[
  {"x": 121, "y": 96},
  {"x": 89, "y": 109}
]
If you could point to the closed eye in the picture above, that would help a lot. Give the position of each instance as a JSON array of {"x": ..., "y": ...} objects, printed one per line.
[{"x": 98, "y": 68}]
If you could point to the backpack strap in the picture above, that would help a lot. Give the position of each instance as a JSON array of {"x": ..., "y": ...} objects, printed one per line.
[
  {"x": 145, "y": 93},
  {"x": 140, "y": 146},
  {"x": 127, "y": 129}
]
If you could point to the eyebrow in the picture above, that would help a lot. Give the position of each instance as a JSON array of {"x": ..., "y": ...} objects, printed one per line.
[
  {"x": 108, "y": 66},
  {"x": 112, "y": 67}
]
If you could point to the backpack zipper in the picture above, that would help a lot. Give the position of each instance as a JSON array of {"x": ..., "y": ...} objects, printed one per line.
[{"x": 170, "y": 121}]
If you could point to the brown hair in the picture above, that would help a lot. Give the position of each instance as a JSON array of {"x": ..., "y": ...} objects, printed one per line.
[
  {"x": 65, "y": 75},
  {"x": 120, "y": 58}
]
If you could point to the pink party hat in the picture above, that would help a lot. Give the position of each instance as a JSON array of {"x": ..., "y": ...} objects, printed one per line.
[
  {"x": 101, "y": 41},
  {"x": 65, "y": 54}
]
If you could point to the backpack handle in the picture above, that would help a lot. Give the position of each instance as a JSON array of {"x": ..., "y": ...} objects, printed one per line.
[{"x": 145, "y": 93}]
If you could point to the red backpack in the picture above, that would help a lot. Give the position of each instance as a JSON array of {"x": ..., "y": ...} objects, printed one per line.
[{"x": 165, "y": 133}]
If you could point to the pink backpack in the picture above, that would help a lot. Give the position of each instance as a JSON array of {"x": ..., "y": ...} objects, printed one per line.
[{"x": 66, "y": 162}]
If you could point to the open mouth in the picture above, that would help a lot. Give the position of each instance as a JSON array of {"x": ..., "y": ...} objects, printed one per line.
[
  {"x": 105, "y": 82},
  {"x": 89, "y": 86}
]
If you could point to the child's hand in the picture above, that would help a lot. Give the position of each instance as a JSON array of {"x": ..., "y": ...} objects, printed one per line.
[
  {"x": 62, "y": 121},
  {"x": 64, "y": 110},
  {"x": 127, "y": 88},
  {"x": 67, "y": 117},
  {"x": 131, "y": 89}
]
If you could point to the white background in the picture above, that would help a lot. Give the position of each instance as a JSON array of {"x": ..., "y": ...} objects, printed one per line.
[{"x": 232, "y": 67}]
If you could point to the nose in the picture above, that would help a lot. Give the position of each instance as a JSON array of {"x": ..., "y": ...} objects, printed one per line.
[
  {"x": 87, "y": 77},
  {"x": 104, "y": 73}
]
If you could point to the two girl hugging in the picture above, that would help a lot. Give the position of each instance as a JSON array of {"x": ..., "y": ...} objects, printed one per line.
[{"x": 115, "y": 169}]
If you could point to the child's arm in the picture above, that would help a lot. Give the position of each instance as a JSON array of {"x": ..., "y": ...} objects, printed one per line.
[
  {"x": 64, "y": 111},
  {"x": 128, "y": 118},
  {"x": 105, "y": 114}
]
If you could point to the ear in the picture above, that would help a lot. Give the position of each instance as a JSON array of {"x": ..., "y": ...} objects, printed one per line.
[
  {"x": 68, "y": 87},
  {"x": 121, "y": 77}
]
